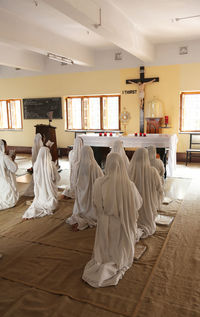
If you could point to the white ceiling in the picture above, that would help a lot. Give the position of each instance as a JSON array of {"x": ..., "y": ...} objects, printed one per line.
[
  {"x": 156, "y": 18},
  {"x": 29, "y": 29}
]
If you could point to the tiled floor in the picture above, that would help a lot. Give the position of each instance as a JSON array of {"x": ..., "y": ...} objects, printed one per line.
[
  {"x": 175, "y": 187},
  {"x": 192, "y": 170},
  {"x": 24, "y": 162}
]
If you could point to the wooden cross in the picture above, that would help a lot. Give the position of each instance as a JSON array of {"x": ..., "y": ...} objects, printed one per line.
[{"x": 142, "y": 82}]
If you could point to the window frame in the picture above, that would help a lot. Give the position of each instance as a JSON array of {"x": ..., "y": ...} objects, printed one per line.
[
  {"x": 82, "y": 113},
  {"x": 182, "y": 110},
  {"x": 9, "y": 115}
]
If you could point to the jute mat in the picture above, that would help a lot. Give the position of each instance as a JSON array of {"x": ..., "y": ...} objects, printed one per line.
[
  {"x": 174, "y": 287},
  {"x": 43, "y": 263}
]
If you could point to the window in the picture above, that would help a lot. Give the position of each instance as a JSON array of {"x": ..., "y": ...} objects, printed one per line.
[
  {"x": 10, "y": 114},
  {"x": 93, "y": 113},
  {"x": 190, "y": 111}
]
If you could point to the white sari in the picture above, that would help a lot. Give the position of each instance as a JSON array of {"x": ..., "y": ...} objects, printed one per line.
[
  {"x": 86, "y": 172},
  {"x": 45, "y": 188},
  {"x": 8, "y": 190},
  {"x": 148, "y": 183},
  {"x": 35, "y": 149},
  {"x": 74, "y": 159},
  {"x": 117, "y": 202},
  {"x": 157, "y": 163},
  {"x": 118, "y": 148}
]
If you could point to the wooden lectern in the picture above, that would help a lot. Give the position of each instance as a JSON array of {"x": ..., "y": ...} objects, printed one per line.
[{"x": 50, "y": 134}]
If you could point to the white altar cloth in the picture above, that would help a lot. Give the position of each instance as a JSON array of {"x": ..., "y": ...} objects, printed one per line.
[{"x": 131, "y": 141}]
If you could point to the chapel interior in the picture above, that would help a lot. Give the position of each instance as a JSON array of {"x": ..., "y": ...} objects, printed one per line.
[{"x": 145, "y": 54}]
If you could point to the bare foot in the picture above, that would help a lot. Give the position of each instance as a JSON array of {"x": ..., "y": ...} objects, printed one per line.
[
  {"x": 63, "y": 197},
  {"x": 75, "y": 227},
  {"x": 29, "y": 202},
  {"x": 24, "y": 219}
]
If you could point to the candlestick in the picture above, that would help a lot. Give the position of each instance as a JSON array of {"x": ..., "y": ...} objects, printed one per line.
[{"x": 166, "y": 120}]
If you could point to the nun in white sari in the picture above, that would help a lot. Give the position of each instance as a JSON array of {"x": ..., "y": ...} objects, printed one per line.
[
  {"x": 118, "y": 148},
  {"x": 9, "y": 194},
  {"x": 117, "y": 202},
  {"x": 38, "y": 143},
  {"x": 148, "y": 183},
  {"x": 87, "y": 171},
  {"x": 74, "y": 159},
  {"x": 157, "y": 163},
  {"x": 45, "y": 189}
]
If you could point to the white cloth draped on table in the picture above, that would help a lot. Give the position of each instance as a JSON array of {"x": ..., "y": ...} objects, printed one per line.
[
  {"x": 118, "y": 148},
  {"x": 74, "y": 159},
  {"x": 8, "y": 190},
  {"x": 148, "y": 183},
  {"x": 166, "y": 141},
  {"x": 38, "y": 143},
  {"x": 117, "y": 202},
  {"x": 157, "y": 163},
  {"x": 86, "y": 173},
  {"x": 45, "y": 189}
]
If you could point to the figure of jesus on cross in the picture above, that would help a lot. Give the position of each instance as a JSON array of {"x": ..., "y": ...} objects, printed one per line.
[
  {"x": 141, "y": 89},
  {"x": 142, "y": 82}
]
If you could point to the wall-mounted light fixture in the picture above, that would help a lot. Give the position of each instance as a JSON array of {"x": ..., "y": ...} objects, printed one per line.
[
  {"x": 188, "y": 17},
  {"x": 61, "y": 59},
  {"x": 97, "y": 25}
]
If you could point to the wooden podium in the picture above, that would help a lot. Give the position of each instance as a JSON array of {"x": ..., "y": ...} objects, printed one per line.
[{"x": 50, "y": 134}]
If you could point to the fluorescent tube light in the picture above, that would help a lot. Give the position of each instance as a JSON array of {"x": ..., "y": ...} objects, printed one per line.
[{"x": 60, "y": 59}]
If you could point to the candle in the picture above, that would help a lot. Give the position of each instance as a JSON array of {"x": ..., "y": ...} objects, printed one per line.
[
  {"x": 100, "y": 134},
  {"x": 135, "y": 133},
  {"x": 166, "y": 120},
  {"x": 105, "y": 134},
  {"x": 144, "y": 134},
  {"x": 140, "y": 134},
  {"x": 110, "y": 133}
]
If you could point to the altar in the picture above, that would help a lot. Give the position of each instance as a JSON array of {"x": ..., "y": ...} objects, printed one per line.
[{"x": 164, "y": 141}]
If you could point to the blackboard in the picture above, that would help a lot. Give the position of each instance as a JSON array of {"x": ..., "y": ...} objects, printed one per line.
[{"x": 37, "y": 108}]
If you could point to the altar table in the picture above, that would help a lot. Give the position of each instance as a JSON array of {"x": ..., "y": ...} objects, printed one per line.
[{"x": 165, "y": 141}]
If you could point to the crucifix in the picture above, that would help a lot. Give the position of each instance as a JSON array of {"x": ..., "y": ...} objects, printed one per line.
[{"x": 142, "y": 82}]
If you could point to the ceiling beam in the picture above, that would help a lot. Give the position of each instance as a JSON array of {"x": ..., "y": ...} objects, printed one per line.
[
  {"x": 16, "y": 31},
  {"x": 114, "y": 26},
  {"x": 19, "y": 58}
]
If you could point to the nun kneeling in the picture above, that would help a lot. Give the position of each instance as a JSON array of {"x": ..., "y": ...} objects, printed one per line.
[
  {"x": 45, "y": 188},
  {"x": 86, "y": 172},
  {"x": 9, "y": 194},
  {"x": 148, "y": 183},
  {"x": 117, "y": 202}
]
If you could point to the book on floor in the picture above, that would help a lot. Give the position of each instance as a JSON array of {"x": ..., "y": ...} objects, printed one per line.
[
  {"x": 167, "y": 200},
  {"x": 139, "y": 251},
  {"x": 164, "y": 220}
]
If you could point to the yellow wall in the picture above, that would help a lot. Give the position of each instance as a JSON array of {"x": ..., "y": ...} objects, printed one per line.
[
  {"x": 173, "y": 79},
  {"x": 61, "y": 85}
]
